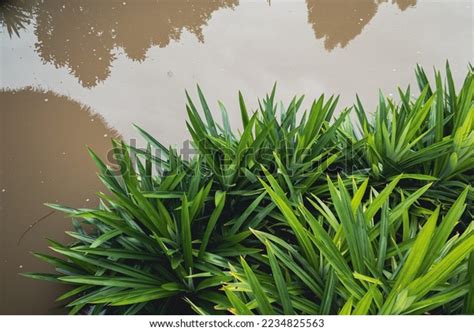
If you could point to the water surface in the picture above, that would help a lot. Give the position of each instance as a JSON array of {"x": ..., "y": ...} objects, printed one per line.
[{"x": 76, "y": 73}]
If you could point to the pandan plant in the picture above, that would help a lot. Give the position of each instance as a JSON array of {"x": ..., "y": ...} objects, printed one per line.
[{"x": 296, "y": 214}]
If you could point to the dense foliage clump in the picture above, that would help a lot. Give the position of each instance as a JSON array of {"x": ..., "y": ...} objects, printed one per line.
[{"x": 297, "y": 214}]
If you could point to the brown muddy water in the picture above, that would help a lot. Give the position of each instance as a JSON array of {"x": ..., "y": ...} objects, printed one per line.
[{"x": 76, "y": 73}]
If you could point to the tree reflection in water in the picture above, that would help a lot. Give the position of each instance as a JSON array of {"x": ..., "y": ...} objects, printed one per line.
[
  {"x": 15, "y": 15},
  {"x": 44, "y": 159},
  {"x": 85, "y": 36},
  {"x": 337, "y": 22}
]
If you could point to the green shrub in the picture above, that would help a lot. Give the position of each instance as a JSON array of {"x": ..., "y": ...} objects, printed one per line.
[
  {"x": 299, "y": 213},
  {"x": 366, "y": 258}
]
